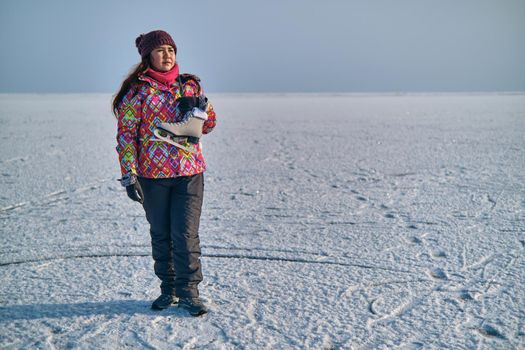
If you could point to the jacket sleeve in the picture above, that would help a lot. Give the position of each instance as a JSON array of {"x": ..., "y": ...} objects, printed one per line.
[
  {"x": 193, "y": 88},
  {"x": 129, "y": 119},
  {"x": 210, "y": 123}
]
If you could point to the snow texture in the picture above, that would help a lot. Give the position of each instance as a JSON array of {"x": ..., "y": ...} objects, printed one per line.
[{"x": 347, "y": 221}]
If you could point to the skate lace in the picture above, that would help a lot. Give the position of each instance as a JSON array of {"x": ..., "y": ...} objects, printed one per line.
[
  {"x": 189, "y": 115},
  {"x": 185, "y": 119}
]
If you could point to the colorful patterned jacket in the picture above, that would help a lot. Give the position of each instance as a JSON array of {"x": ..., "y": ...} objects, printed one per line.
[{"x": 142, "y": 109}]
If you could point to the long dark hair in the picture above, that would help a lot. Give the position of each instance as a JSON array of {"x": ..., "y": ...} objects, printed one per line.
[{"x": 131, "y": 81}]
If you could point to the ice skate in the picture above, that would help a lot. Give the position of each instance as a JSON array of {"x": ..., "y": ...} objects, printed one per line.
[{"x": 185, "y": 134}]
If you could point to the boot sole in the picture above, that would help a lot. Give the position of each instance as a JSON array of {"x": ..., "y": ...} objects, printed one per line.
[
  {"x": 156, "y": 307},
  {"x": 194, "y": 314}
]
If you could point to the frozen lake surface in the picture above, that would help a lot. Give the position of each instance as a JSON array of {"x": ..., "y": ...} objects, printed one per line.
[{"x": 330, "y": 222}]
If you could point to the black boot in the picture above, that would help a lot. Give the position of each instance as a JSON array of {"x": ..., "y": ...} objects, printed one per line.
[
  {"x": 164, "y": 302},
  {"x": 193, "y": 305}
]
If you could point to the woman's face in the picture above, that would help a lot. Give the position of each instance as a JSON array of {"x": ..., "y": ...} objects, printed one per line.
[{"x": 163, "y": 58}]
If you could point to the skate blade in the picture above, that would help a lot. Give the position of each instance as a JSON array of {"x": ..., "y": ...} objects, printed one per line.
[{"x": 165, "y": 136}]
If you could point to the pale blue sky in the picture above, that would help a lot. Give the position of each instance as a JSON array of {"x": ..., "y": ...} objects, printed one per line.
[{"x": 270, "y": 46}]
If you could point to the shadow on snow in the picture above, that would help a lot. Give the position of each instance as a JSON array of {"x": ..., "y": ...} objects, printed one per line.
[{"x": 108, "y": 308}]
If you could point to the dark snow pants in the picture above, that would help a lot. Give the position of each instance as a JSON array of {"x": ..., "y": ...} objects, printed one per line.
[{"x": 173, "y": 209}]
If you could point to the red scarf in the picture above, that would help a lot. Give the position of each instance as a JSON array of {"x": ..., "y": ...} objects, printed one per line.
[{"x": 166, "y": 78}]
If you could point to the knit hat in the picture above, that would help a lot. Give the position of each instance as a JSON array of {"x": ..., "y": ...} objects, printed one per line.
[{"x": 148, "y": 42}]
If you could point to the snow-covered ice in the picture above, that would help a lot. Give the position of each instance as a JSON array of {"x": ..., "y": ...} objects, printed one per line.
[{"x": 345, "y": 221}]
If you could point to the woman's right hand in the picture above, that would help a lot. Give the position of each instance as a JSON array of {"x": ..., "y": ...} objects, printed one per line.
[{"x": 134, "y": 192}]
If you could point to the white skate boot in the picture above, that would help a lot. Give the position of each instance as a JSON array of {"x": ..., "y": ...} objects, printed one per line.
[{"x": 185, "y": 134}]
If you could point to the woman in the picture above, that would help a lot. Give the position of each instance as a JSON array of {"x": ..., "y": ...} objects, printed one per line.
[{"x": 168, "y": 180}]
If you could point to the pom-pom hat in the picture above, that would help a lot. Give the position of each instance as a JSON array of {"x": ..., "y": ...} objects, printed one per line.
[{"x": 148, "y": 42}]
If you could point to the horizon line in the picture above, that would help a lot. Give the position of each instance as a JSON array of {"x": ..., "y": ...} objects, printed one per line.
[{"x": 408, "y": 92}]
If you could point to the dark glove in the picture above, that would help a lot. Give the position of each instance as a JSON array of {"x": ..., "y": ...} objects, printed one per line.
[
  {"x": 187, "y": 103},
  {"x": 133, "y": 188},
  {"x": 135, "y": 192}
]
